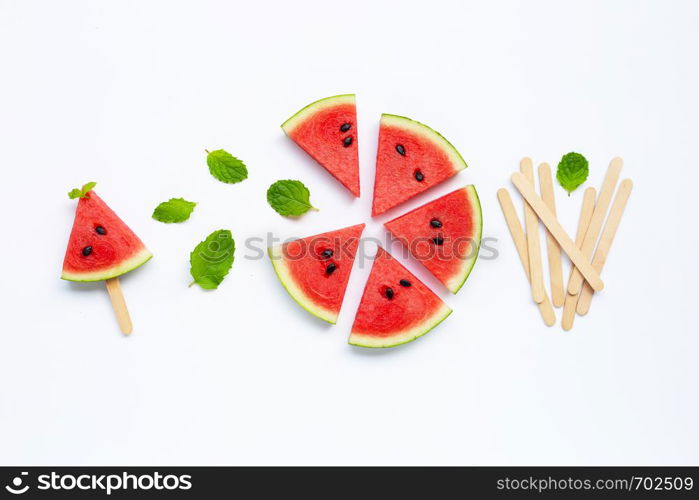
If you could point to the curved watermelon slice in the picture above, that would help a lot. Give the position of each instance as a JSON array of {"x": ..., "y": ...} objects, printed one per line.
[
  {"x": 396, "y": 306},
  {"x": 444, "y": 235},
  {"x": 101, "y": 246},
  {"x": 327, "y": 130},
  {"x": 411, "y": 158},
  {"x": 315, "y": 270}
]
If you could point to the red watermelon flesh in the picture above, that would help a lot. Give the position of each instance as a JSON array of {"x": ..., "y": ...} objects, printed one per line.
[
  {"x": 315, "y": 270},
  {"x": 396, "y": 306},
  {"x": 327, "y": 130},
  {"x": 444, "y": 235},
  {"x": 101, "y": 246},
  {"x": 411, "y": 158}
]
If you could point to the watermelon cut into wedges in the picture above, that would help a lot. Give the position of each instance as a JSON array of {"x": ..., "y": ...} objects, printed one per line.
[
  {"x": 411, "y": 158},
  {"x": 396, "y": 306},
  {"x": 327, "y": 130},
  {"x": 101, "y": 246},
  {"x": 444, "y": 235},
  {"x": 315, "y": 270}
]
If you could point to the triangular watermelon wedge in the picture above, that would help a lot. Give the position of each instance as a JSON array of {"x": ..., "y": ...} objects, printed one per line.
[
  {"x": 411, "y": 158},
  {"x": 315, "y": 270},
  {"x": 444, "y": 235},
  {"x": 396, "y": 306},
  {"x": 327, "y": 130},
  {"x": 101, "y": 245}
]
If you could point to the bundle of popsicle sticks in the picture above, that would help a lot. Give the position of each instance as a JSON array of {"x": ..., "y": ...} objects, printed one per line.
[{"x": 588, "y": 253}]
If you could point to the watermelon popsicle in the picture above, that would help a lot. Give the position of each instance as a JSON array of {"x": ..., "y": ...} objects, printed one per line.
[
  {"x": 327, "y": 130},
  {"x": 102, "y": 247},
  {"x": 411, "y": 158}
]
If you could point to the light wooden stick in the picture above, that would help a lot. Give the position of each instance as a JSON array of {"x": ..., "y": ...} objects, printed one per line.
[
  {"x": 119, "y": 305},
  {"x": 555, "y": 228},
  {"x": 531, "y": 225},
  {"x": 553, "y": 250},
  {"x": 518, "y": 236},
  {"x": 601, "y": 206},
  {"x": 588, "y": 206},
  {"x": 605, "y": 242}
]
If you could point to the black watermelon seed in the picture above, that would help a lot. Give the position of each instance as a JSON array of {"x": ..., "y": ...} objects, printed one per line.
[
  {"x": 436, "y": 223},
  {"x": 401, "y": 149},
  {"x": 100, "y": 230},
  {"x": 438, "y": 240},
  {"x": 327, "y": 253},
  {"x": 347, "y": 142},
  {"x": 330, "y": 268},
  {"x": 87, "y": 251},
  {"x": 345, "y": 127},
  {"x": 405, "y": 283},
  {"x": 419, "y": 176},
  {"x": 389, "y": 293}
]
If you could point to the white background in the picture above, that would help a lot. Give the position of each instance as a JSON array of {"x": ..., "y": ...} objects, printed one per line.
[{"x": 130, "y": 93}]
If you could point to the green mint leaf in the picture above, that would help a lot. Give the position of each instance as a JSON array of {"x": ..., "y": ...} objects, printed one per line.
[
  {"x": 226, "y": 167},
  {"x": 572, "y": 171},
  {"x": 212, "y": 259},
  {"x": 82, "y": 192},
  {"x": 289, "y": 197},
  {"x": 174, "y": 210}
]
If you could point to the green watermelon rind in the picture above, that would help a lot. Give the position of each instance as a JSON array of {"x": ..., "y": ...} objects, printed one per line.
[
  {"x": 288, "y": 282},
  {"x": 372, "y": 341},
  {"x": 428, "y": 133},
  {"x": 458, "y": 280},
  {"x": 133, "y": 262},
  {"x": 308, "y": 111}
]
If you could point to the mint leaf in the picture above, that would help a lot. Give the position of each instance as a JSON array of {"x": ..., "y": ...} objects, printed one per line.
[
  {"x": 174, "y": 210},
  {"x": 212, "y": 259},
  {"x": 572, "y": 171},
  {"x": 226, "y": 167},
  {"x": 82, "y": 192},
  {"x": 289, "y": 197}
]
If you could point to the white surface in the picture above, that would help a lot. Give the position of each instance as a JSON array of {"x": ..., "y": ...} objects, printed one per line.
[{"x": 130, "y": 93}]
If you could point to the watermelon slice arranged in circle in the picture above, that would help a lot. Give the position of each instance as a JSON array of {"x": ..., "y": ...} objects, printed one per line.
[
  {"x": 315, "y": 270},
  {"x": 396, "y": 306},
  {"x": 444, "y": 235},
  {"x": 101, "y": 245},
  {"x": 327, "y": 130},
  {"x": 411, "y": 158}
]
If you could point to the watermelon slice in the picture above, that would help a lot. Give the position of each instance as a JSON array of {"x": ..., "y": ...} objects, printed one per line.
[
  {"x": 411, "y": 158},
  {"x": 327, "y": 130},
  {"x": 444, "y": 235},
  {"x": 101, "y": 246},
  {"x": 396, "y": 306},
  {"x": 315, "y": 270}
]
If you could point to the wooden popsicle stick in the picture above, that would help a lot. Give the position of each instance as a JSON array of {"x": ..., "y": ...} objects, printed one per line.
[
  {"x": 601, "y": 206},
  {"x": 606, "y": 240},
  {"x": 568, "y": 317},
  {"x": 119, "y": 305},
  {"x": 552, "y": 224},
  {"x": 520, "y": 239},
  {"x": 531, "y": 225},
  {"x": 553, "y": 250},
  {"x": 518, "y": 236},
  {"x": 588, "y": 206}
]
